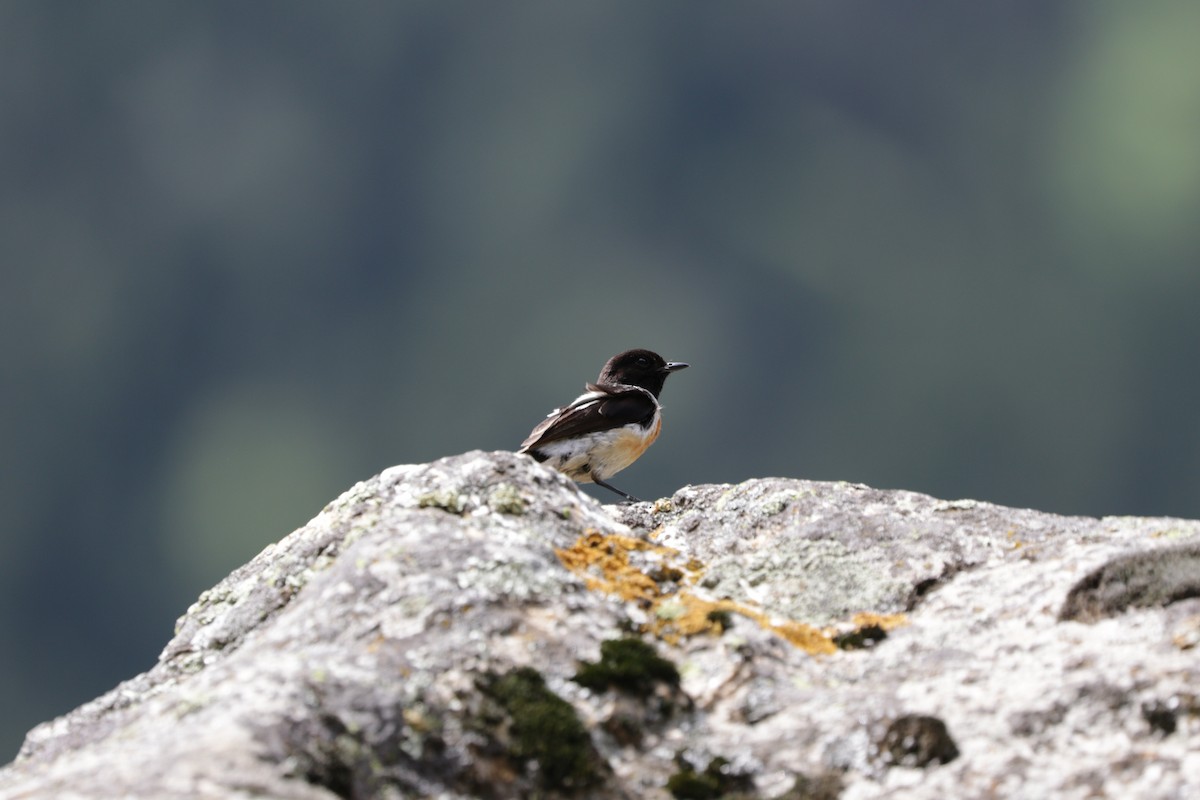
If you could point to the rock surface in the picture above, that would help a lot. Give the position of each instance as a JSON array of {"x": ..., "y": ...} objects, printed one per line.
[{"x": 477, "y": 627}]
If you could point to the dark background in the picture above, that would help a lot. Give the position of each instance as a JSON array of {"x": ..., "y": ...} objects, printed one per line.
[{"x": 254, "y": 252}]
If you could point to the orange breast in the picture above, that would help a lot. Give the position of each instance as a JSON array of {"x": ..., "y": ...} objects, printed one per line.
[
  {"x": 626, "y": 448},
  {"x": 653, "y": 434}
]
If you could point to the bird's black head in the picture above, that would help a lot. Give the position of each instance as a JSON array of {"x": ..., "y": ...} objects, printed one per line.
[{"x": 638, "y": 368}]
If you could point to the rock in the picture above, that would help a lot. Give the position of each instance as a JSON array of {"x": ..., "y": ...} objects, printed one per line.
[
  {"x": 478, "y": 627},
  {"x": 917, "y": 740},
  {"x": 1148, "y": 579}
]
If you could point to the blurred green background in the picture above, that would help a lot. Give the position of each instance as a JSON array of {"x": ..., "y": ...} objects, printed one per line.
[{"x": 255, "y": 252}]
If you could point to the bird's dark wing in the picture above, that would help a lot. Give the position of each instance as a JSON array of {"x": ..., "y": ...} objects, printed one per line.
[{"x": 601, "y": 408}]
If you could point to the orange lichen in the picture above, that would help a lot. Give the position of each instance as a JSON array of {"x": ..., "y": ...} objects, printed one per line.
[
  {"x": 684, "y": 614},
  {"x": 689, "y": 615},
  {"x": 806, "y": 637},
  {"x": 604, "y": 562},
  {"x": 888, "y": 622}
]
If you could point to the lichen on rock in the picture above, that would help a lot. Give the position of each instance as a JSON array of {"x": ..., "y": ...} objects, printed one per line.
[{"x": 478, "y": 627}]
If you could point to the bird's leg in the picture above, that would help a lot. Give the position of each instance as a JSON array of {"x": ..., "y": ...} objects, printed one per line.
[{"x": 628, "y": 497}]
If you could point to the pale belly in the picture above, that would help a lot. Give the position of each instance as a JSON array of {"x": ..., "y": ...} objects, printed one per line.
[{"x": 601, "y": 455}]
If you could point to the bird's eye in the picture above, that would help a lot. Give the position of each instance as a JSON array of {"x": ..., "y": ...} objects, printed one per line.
[{"x": 642, "y": 361}]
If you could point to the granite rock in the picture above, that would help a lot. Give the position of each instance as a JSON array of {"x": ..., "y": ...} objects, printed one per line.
[{"x": 478, "y": 627}]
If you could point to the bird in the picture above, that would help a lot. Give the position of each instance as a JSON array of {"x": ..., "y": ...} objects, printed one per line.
[{"x": 610, "y": 425}]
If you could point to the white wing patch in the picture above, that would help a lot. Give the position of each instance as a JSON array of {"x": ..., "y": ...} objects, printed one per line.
[{"x": 581, "y": 402}]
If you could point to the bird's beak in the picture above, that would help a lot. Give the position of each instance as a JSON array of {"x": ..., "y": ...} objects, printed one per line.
[{"x": 674, "y": 366}]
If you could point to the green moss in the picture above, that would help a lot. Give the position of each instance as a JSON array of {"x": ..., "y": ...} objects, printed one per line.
[
  {"x": 505, "y": 499},
  {"x": 446, "y": 500},
  {"x": 670, "y": 609},
  {"x": 773, "y": 506},
  {"x": 716, "y": 781},
  {"x": 688, "y": 784},
  {"x": 628, "y": 665},
  {"x": 545, "y": 729}
]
